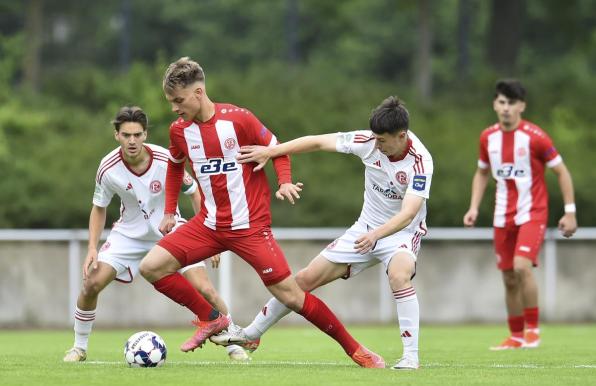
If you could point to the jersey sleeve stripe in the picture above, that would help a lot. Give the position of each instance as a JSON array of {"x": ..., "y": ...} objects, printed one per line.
[
  {"x": 105, "y": 169},
  {"x": 554, "y": 162}
]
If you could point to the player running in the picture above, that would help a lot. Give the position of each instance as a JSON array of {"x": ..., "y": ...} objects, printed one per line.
[
  {"x": 398, "y": 173},
  {"x": 135, "y": 171},
  {"x": 516, "y": 152}
]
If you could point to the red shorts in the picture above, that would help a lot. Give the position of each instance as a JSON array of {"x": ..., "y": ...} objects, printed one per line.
[
  {"x": 523, "y": 240},
  {"x": 194, "y": 242}
]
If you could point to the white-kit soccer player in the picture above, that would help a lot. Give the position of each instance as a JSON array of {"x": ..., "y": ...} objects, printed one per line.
[
  {"x": 136, "y": 172},
  {"x": 398, "y": 173}
]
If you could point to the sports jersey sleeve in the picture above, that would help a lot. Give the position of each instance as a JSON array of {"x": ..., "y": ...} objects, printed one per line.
[
  {"x": 102, "y": 195},
  {"x": 483, "y": 160},
  {"x": 360, "y": 143},
  {"x": 262, "y": 136},
  {"x": 421, "y": 179},
  {"x": 189, "y": 185},
  {"x": 174, "y": 173},
  {"x": 547, "y": 152}
]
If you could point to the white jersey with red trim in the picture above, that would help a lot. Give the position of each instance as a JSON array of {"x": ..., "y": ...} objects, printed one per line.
[
  {"x": 387, "y": 181},
  {"x": 517, "y": 159},
  {"x": 142, "y": 196}
]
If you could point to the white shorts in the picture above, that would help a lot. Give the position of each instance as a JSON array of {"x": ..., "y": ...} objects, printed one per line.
[
  {"x": 125, "y": 254},
  {"x": 342, "y": 249}
]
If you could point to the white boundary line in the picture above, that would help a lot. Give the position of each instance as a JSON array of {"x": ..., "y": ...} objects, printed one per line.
[{"x": 303, "y": 363}]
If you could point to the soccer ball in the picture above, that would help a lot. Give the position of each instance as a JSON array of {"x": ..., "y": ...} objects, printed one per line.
[{"x": 145, "y": 349}]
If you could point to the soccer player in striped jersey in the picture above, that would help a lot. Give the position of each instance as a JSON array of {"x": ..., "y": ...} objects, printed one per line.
[
  {"x": 234, "y": 213},
  {"x": 516, "y": 152},
  {"x": 397, "y": 177},
  {"x": 135, "y": 172}
]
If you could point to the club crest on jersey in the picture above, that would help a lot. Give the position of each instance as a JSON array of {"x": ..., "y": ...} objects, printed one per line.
[
  {"x": 521, "y": 152},
  {"x": 419, "y": 183},
  {"x": 155, "y": 186},
  {"x": 230, "y": 143},
  {"x": 401, "y": 177}
]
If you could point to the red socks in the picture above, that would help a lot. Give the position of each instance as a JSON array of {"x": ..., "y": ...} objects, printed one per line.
[
  {"x": 177, "y": 288},
  {"x": 516, "y": 326},
  {"x": 531, "y": 317},
  {"x": 316, "y": 312}
]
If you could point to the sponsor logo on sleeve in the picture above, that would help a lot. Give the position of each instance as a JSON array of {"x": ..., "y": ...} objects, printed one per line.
[
  {"x": 419, "y": 183},
  {"x": 263, "y": 131}
]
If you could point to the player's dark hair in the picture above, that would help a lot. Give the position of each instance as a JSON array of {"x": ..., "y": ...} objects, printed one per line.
[
  {"x": 511, "y": 88},
  {"x": 130, "y": 114},
  {"x": 182, "y": 73},
  {"x": 390, "y": 117}
]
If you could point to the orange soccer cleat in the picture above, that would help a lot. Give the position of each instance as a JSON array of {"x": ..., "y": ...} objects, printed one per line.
[
  {"x": 532, "y": 338},
  {"x": 368, "y": 359},
  {"x": 204, "y": 331},
  {"x": 509, "y": 344}
]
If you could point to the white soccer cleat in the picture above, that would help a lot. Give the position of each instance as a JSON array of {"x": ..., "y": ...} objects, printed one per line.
[
  {"x": 406, "y": 363},
  {"x": 237, "y": 353},
  {"x": 75, "y": 354},
  {"x": 235, "y": 335}
]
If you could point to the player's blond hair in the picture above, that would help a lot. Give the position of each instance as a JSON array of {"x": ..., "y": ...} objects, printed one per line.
[{"x": 182, "y": 73}]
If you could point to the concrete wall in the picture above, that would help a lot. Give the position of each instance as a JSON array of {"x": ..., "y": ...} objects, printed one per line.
[{"x": 456, "y": 282}]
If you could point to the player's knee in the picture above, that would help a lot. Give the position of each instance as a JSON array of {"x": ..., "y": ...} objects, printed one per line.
[
  {"x": 399, "y": 278},
  {"x": 92, "y": 288},
  {"x": 304, "y": 282},
  {"x": 148, "y": 270},
  {"x": 511, "y": 281}
]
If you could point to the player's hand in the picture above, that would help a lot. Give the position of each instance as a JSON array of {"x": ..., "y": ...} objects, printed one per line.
[
  {"x": 215, "y": 259},
  {"x": 366, "y": 242},
  {"x": 289, "y": 191},
  {"x": 470, "y": 217},
  {"x": 568, "y": 224},
  {"x": 90, "y": 262},
  {"x": 168, "y": 222},
  {"x": 254, "y": 153}
]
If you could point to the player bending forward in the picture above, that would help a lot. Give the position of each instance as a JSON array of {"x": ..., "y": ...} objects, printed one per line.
[
  {"x": 398, "y": 172},
  {"x": 135, "y": 172}
]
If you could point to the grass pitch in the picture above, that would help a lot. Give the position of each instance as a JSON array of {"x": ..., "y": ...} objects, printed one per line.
[{"x": 450, "y": 355}]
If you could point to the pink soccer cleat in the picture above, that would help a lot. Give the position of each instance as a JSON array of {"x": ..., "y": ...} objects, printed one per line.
[
  {"x": 368, "y": 359},
  {"x": 204, "y": 331}
]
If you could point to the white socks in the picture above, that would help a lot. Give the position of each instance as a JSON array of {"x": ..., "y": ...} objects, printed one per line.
[
  {"x": 271, "y": 313},
  {"x": 83, "y": 323},
  {"x": 408, "y": 314}
]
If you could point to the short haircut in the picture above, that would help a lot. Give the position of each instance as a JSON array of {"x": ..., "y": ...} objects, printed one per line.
[
  {"x": 130, "y": 114},
  {"x": 511, "y": 88},
  {"x": 181, "y": 73},
  {"x": 390, "y": 117}
]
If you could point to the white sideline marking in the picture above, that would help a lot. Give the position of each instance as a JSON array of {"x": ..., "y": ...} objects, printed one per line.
[{"x": 302, "y": 363}]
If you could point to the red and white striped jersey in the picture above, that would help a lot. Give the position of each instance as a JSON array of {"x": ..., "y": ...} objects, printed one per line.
[
  {"x": 517, "y": 159},
  {"x": 142, "y": 196},
  {"x": 388, "y": 180},
  {"x": 233, "y": 195}
]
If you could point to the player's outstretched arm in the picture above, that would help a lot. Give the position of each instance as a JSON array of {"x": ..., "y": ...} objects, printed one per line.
[
  {"x": 261, "y": 154},
  {"x": 97, "y": 221},
  {"x": 568, "y": 223},
  {"x": 479, "y": 183},
  {"x": 409, "y": 208}
]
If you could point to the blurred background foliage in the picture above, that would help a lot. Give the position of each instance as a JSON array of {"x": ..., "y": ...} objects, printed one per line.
[{"x": 303, "y": 67}]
